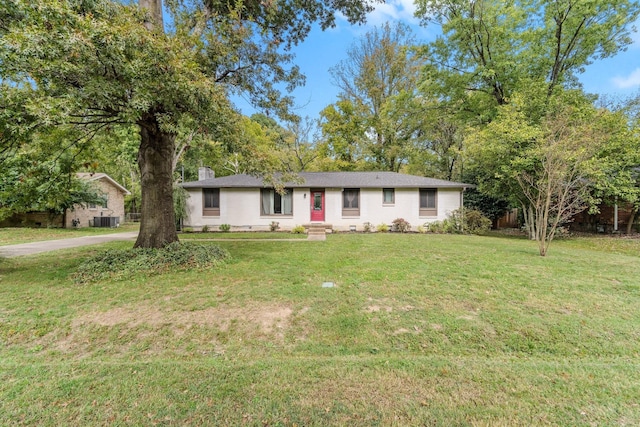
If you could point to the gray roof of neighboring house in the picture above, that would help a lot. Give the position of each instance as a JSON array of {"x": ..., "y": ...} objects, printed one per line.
[{"x": 332, "y": 179}]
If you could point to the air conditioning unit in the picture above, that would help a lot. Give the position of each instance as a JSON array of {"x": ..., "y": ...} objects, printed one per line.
[{"x": 106, "y": 221}]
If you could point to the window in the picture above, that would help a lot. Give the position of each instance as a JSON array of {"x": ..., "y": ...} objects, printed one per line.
[
  {"x": 388, "y": 196},
  {"x": 351, "y": 202},
  {"x": 211, "y": 202},
  {"x": 105, "y": 200},
  {"x": 428, "y": 202},
  {"x": 274, "y": 203}
]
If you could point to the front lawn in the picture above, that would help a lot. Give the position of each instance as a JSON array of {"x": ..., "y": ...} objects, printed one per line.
[
  {"x": 16, "y": 235},
  {"x": 243, "y": 235},
  {"x": 418, "y": 330}
]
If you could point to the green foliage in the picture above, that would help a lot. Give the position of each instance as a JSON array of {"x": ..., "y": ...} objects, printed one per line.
[
  {"x": 460, "y": 221},
  {"x": 496, "y": 48},
  {"x": 382, "y": 228},
  {"x": 180, "y": 197},
  {"x": 94, "y": 65},
  {"x": 298, "y": 229},
  {"x": 119, "y": 264},
  {"x": 376, "y": 120},
  {"x": 274, "y": 226},
  {"x": 400, "y": 225},
  {"x": 205, "y": 229},
  {"x": 475, "y": 222},
  {"x": 491, "y": 207},
  {"x": 225, "y": 227},
  {"x": 435, "y": 227},
  {"x": 553, "y": 166},
  {"x": 30, "y": 183},
  {"x": 344, "y": 136},
  {"x": 367, "y": 227}
]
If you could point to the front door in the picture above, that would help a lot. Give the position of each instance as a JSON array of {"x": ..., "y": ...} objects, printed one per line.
[{"x": 317, "y": 205}]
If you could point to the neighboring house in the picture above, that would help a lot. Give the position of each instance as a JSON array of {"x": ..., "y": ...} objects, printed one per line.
[
  {"x": 110, "y": 214},
  {"x": 609, "y": 219},
  {"x": 342, "y": 200}
]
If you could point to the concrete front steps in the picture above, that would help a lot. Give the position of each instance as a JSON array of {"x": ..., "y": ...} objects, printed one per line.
[{"x": 318, "y": 231}]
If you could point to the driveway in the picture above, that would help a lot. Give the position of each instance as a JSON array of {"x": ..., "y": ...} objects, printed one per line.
[{"x": 53, "y": 245}]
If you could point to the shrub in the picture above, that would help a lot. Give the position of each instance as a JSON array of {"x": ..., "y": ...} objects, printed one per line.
[
  {"x": 382, "y": 228},
  {"x": 117, "y": 264},
  {"x": 367, "y": 227},
  {"x": 454, "y": 224},
  {"x": 225, "y": 227},
  {"x": 423, "y": 228},
  {"x": 205, "y": 229},
  {"x": 298, "y": 229},
  {"x": 274, "y": 226},
  {"x": 187, "y": 230},
  {"x": 469, "y": 221},
  {"x": 476, "y": 222},
  {"x": 401, "y": 225},
  {"x": 435, "y": 227}
]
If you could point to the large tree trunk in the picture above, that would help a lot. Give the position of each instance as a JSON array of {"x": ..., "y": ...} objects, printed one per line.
[
  {"x": 631, "y": 220},
  {"x": 155, "y": 159}
]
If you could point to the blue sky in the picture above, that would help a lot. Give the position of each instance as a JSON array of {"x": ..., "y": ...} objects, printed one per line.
[{"x": 618, "y": 76}]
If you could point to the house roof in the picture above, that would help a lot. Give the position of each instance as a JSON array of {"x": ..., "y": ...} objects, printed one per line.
[
  {"x": 332, "y": 179},
  {"x": 95, "y": 176}
]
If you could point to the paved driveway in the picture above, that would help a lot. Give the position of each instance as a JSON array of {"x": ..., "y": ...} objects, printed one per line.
[{"x": 52, "y": 245}]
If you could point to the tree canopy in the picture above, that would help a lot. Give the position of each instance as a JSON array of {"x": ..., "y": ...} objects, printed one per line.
[
  {"x": 92, "y": 65},
  {"x": 505, "y": 75},
  {"x": 377, "y": 82}
]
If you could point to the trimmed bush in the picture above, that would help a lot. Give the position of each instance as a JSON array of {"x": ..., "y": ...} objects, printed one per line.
[
  {"x": 469, "y": 221},
  {"x": 476, "y": 222},
  {"x": 401, "y": 225},
  {"x": 225, "y": 227},
  {"x": 382, "y": 228},
  {"x": 298, "y": 229}
]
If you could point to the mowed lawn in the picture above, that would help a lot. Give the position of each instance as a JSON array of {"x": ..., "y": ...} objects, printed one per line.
[
  {"x": 17, "y": 235},
  {"x": 418, "y": 330}
]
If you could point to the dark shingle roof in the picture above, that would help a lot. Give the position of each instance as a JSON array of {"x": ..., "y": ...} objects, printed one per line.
[{"x": 332, "y": 179}]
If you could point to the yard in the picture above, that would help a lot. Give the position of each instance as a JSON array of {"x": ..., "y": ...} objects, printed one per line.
[
  {"x": 418, "y": 330},
  {"x": 17, "y": 235}
]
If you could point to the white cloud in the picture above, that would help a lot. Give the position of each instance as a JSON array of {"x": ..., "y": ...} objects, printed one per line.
[
  {"x": 393, "y": 10},
  {"x": 630, "y": 81}
]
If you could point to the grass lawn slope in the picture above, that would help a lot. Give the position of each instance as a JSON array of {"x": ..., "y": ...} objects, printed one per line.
[{"x": 418, "y": 330}]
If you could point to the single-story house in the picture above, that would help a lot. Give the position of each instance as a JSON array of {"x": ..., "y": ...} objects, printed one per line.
[
  {"x": 341, "y": 200},
  {"x": 109, "y": 214}
]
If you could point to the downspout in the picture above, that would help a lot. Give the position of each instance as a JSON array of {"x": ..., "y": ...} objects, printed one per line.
[
  {"x": 615, "y": 217},
  {"x": 462, "y": 207}
]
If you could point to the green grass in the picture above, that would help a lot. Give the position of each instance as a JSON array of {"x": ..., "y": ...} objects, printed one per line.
[
  {"x": 16, "y": 235},
  {"x": 250, "y": 235},
  {"x": 419, "y": 330}
]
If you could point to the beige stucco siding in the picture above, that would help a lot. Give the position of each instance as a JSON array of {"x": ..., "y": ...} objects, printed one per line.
[{"x": 240, "y": 208}]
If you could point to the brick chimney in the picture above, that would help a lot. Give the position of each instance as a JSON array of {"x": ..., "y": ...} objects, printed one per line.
[{"x": 205, "y": 172}]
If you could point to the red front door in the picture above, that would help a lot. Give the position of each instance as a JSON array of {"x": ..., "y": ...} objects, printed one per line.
[{"x": 317, "y": 205}]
